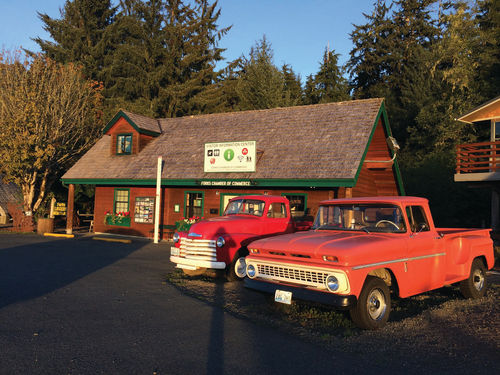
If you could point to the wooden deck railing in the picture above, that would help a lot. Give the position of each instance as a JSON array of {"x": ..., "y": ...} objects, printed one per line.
[{"x": 478, "y": 157}]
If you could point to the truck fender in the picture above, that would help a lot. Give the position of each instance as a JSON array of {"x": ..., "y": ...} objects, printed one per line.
[{"x": 387, "y": 276}]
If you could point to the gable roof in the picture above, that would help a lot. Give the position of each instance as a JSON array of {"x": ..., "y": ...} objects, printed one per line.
[
  {"x": 314, "y": 143},
  {"x": 143, "y": 124},
  {"x": 485, "y": 111}
]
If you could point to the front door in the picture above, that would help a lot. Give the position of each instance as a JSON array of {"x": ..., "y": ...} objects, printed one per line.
[{"x": 193, "y": 204}]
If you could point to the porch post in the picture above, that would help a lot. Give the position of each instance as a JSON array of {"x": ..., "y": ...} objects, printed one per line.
[
  {"x": 70, "y": 209},
  {"x": 348, "y": 192}
]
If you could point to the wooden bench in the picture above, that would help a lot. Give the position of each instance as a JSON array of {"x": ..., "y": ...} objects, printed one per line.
[{"x": 166, "y": 231}]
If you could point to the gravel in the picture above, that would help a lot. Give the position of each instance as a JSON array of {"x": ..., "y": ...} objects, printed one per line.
[{"x": 456, "y": 335}]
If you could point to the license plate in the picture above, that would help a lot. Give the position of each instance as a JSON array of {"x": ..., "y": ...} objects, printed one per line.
[
  {"x": 174, "y": 251},
  {"x": 283, "y": 296}
]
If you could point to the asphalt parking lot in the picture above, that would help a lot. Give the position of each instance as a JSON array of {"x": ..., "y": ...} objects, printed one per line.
[{"x": 79, "y": 306}]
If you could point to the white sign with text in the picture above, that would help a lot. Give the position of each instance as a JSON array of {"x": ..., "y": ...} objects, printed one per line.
[{"x": 230, "y": 157}]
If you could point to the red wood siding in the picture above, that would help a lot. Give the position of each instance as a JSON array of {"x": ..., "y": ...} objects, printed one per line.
[
  {"x": 380, "y": 180},
  {"x": 104, "y": 200},
  {"x": 139, "y": 141}
]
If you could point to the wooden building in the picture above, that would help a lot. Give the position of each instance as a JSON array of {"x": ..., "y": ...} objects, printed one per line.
[
  {"x": 10, "y": 193},
  {"x": 307, "y": 153},
  {"x": 478, "y": 164}
]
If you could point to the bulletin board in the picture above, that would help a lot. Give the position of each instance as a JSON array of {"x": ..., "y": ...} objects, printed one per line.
[{"x": 144, "y": 210}]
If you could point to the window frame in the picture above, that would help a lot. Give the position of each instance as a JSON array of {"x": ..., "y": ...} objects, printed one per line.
[
  {"x": 115, "y": 200},
  {"x": 131, "y": 135},
  {"x": 410, "y": 217},
  {"x": 305, "y": 203}
]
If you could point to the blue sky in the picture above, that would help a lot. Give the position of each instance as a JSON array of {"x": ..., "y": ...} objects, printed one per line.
[{"x": 298, "y": 30}]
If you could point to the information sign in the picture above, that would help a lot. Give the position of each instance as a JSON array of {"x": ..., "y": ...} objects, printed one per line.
[{"x": 230, "y": 157}]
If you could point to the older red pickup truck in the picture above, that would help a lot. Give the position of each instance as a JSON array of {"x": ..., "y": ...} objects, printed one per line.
[
  {"x": 361, "y": 249},
  {"x": 221, "y": 242}
]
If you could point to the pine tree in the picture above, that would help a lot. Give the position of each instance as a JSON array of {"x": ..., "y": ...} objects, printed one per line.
[
  {"x": 292, "y": 87},
  {"x": 488, "y": 18},
  {"x": 261, "y": 84},
  {"x": 78, "y": 33},
  {"x": 329, "y": 84},
  {"x": 369, "y": 64},
  {"x": 192, "y": 38}
]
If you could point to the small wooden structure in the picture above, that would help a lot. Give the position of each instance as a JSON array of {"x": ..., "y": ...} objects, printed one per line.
[{"x": 478, "y": 164}]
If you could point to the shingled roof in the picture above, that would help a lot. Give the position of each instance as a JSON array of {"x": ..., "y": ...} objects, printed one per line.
[
  {"x": 141, "y": 123},
  {"x": 9, "y": 193},
  {"x": 324, "y": 141}
]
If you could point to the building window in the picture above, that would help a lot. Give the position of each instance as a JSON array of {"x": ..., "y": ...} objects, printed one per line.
[
  {"x": 276, "y": 210},
  {"x": 193, "y": 204},
  {"x": 124, "y": 144},
  {"x": 298, "y": 203},
  {"x": 122, "y": 200},
  {"x": 144, "y": 210},
  {"x": 497, "y": 131}
]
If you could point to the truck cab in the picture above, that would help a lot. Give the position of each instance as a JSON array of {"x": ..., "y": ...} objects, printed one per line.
[{"x": 221, "y": 243}]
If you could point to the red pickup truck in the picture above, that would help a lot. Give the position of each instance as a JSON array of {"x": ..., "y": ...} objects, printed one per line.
[
  {"x": 361, "y": 249},
  {"x": 221, "y": 242}
]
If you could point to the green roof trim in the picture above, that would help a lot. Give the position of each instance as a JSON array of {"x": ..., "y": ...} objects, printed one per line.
[
  {"x": 382, "y": 113},
  {"x": 121, "y": 114},
  {"x": 313, "y": 183}
]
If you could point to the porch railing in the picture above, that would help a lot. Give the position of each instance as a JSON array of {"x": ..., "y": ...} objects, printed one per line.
[{"x": 478, "y": 157}]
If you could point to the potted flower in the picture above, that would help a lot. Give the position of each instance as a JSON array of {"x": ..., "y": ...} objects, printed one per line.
[
  {"x": 121, "y": 218},
  {"x": 184, "y": 224}
]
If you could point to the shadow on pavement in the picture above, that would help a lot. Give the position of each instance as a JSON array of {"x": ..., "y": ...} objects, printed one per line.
[{"x": 32, "y": 266}]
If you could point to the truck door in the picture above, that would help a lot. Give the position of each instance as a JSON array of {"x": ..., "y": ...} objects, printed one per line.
[
  {"x": 278, "y": 220},
  {"x": 426, "y": 260}
]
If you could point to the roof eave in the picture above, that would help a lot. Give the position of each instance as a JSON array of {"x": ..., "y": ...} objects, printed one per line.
[{"x": 122, "y": 114}]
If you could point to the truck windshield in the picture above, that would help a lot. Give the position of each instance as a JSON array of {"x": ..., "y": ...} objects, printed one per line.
[
  {"x": 245, "y": 207},
  {"x": 361, "y": 217}
]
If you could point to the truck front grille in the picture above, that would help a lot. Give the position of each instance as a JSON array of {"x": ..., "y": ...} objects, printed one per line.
[
  {"x": 292, "y": 274},
  {"x": 198, "y": 249}
]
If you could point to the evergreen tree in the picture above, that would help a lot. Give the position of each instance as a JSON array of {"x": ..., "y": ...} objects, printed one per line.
[
  {"x": 329, "y": 84},
  {"x": 488, "y": 18},
  {"x": 78, "y": 33},
  {"x": 155, "y": 57},
  {"x": 369, "y": 65},
  {"x": 292, "y": 87},
  {"x": 261, "y": 84}
]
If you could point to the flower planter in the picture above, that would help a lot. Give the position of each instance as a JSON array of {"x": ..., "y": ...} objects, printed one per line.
[
  {"x": 120, "y": 221},
  {"x": 45, "y": 225}
]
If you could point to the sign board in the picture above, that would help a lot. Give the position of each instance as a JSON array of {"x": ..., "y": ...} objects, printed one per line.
[
  {"x": 60, "y": 208},
  {"x": 230, "y": 157},
  {"x": 229, "y": 183}
]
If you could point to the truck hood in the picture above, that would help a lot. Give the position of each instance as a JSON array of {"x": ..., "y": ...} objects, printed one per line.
[
  {"x": 350, "y": 248},
  {"x": 211, "y": 228}
]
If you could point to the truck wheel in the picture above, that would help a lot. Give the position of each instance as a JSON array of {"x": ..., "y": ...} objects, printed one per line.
[
  {"x": 475, "y": 285},
  {"x": 237, "y": 269},
  {"x": 373, "y": 306}
]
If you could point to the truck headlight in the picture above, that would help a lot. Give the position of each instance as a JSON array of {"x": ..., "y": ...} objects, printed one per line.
[
  {"x": 251, "y": 271},
  {"x": 176, "y": 237},
  {"x": 332, "y": 283},
  {"x": 220, "y": 242}
]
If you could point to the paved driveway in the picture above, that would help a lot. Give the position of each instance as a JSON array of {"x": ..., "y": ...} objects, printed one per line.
[{"x": 78, "y": 306}]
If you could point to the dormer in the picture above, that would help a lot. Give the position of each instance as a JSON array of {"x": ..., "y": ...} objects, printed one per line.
[{"x": 130, "y": 132}]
